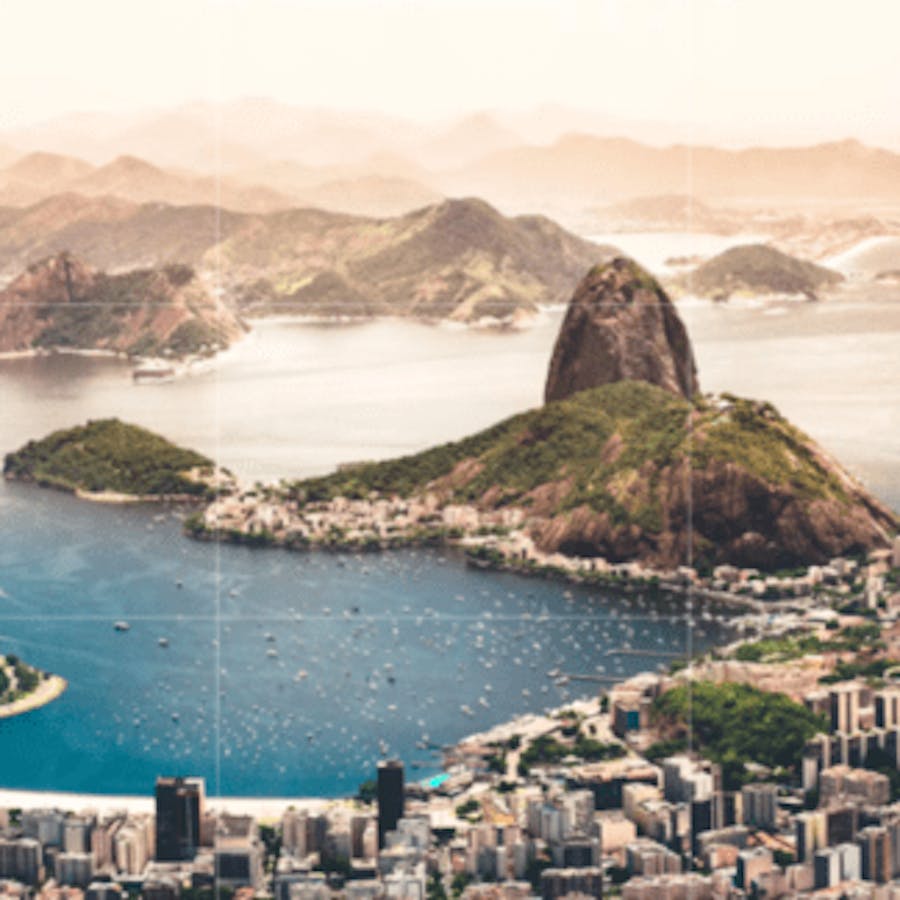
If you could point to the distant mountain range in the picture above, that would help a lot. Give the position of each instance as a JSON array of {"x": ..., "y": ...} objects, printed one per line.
[
  {"x": 40, "y": 175},
  {"x": 459, "y": 259},
  {"x": 555, "y": 160}
]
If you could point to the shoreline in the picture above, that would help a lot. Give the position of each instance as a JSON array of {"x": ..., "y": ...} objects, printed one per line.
[
  {"x": 46, "y": 692},
  {"x": 260, "y": 807}
]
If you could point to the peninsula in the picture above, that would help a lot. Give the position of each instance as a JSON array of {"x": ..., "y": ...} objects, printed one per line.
[{"x": 626, "y": 463}]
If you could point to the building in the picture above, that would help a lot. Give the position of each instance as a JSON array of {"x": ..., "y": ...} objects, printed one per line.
[
  {"x": 179, "y": 807},
  {"x": 560, "y": 882},
  {"x": 876, "y": 853},
  {"x": 845, "y": 703},
  {"x": 390, "y": 797},
  {"x": 21, "y": 859},
  {"x": 760, "y": 805},
  {"x": 751, "y": 864},
  {"x": 75, "y": 868},
  {"x": 238, "y": 852}
]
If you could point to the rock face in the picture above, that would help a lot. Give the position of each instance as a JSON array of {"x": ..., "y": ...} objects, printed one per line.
[
  {"x": 61, "y": 303},
  {"x": 620, "y": 325}
]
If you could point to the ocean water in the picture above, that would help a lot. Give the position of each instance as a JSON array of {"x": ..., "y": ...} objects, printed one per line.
[
  {"x": 285, "y": 674},
  {"x": 370, "y": 654}
]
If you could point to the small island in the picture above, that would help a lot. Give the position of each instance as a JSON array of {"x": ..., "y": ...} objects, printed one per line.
[
  {"x": 759, "y": 270},
  {"x": 24, "y": 688},
  {"x": 112, "y": 461}
]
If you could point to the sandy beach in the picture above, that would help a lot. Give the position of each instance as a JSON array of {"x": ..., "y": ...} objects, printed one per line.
[
  {"x": 46, "y": 692},
  {"x": 263, "y": 808}
]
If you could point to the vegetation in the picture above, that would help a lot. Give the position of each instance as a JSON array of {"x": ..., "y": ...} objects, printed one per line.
[
  {"x": 467, "y": 808},
  {"x": 734, "y": 724},
  {"x": 546, "y": 750},
  {"x": 853, "y": 638},
  {"x": 563, "y": 444},
  {"x": 367, "y": 792},
  {"x": 109, "y": 455},
  {"x": 17, "y": 679}
]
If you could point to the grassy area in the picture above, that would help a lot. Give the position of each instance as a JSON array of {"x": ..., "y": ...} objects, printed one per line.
[
  {"x": 734, "y": 724},
  {"x": 108, "y": 455}
]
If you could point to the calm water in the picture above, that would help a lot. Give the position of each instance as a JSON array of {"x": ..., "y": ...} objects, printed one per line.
[
  {"x": 295, "y": 400},
  {"x": 376, "y": 648}
]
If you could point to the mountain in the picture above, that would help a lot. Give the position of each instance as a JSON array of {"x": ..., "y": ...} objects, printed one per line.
[
  {"x": 130, "y": 178},
  {"x": 465, "y": 140},
  {"x": 620, "y": 326},
  {"x": 61, "y": 303},
  {"x": 667, "y": 212},
  {"x": 581, "y": 170},
  {"x": 759, "y": 269},
  {"x": 38, "y": 175},
  {"x": 459, "y": 258},
  {"x": 631, "y": 470},
  {"x": 111, "y": 456}
]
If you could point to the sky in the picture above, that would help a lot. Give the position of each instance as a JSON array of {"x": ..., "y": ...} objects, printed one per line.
[{"x": 769, "y": 70}]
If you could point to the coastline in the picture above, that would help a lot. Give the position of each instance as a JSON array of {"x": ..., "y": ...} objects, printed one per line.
[
  {"x": 46, "y": 692},
  {"x": 260, "y": 807}
]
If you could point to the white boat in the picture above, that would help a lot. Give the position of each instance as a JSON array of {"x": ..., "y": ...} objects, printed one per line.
[{"x": 121, "y": 625}]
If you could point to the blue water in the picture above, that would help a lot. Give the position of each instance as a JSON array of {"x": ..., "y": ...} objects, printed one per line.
[{"x": 391, "y": 646}]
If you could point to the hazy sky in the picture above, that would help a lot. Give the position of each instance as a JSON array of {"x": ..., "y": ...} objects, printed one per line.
[{"x": 770, "y": 69}]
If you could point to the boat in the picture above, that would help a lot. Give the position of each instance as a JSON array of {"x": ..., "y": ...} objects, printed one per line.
[
  {"x": 163, "y": 642},
  {"x": 121, "y": 625},
  {"x": 152, "y": 370}
]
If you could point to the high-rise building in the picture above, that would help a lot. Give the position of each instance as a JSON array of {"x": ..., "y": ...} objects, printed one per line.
[
  {"x": 760, "y": 802},
  {"x": 875, "y": 844},
  {"x": 179, "y": 807},
  {"x": 390, "y": 797},
  {"x": 845, "y": 704}
]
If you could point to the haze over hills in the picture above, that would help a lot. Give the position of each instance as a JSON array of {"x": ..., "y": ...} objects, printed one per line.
[
  {"x": 548, "y": 159},
  {"x": 592, "y": 170},
  {"x": 39, "y": 175},
  {"x": 460, "y": 259}
]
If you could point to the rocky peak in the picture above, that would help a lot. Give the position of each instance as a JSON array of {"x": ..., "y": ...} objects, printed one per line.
[
  {"x": 56, "y": 279},
  {"x": 620, "y": 325}
]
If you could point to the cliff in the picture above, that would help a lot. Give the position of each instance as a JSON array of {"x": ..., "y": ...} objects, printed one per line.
[{"x": 620, "y": 325}]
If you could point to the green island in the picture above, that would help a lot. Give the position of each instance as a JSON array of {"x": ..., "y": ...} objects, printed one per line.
[
  {"x": 24, "y": 688},
  {"x": 111, "y": 457}
]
